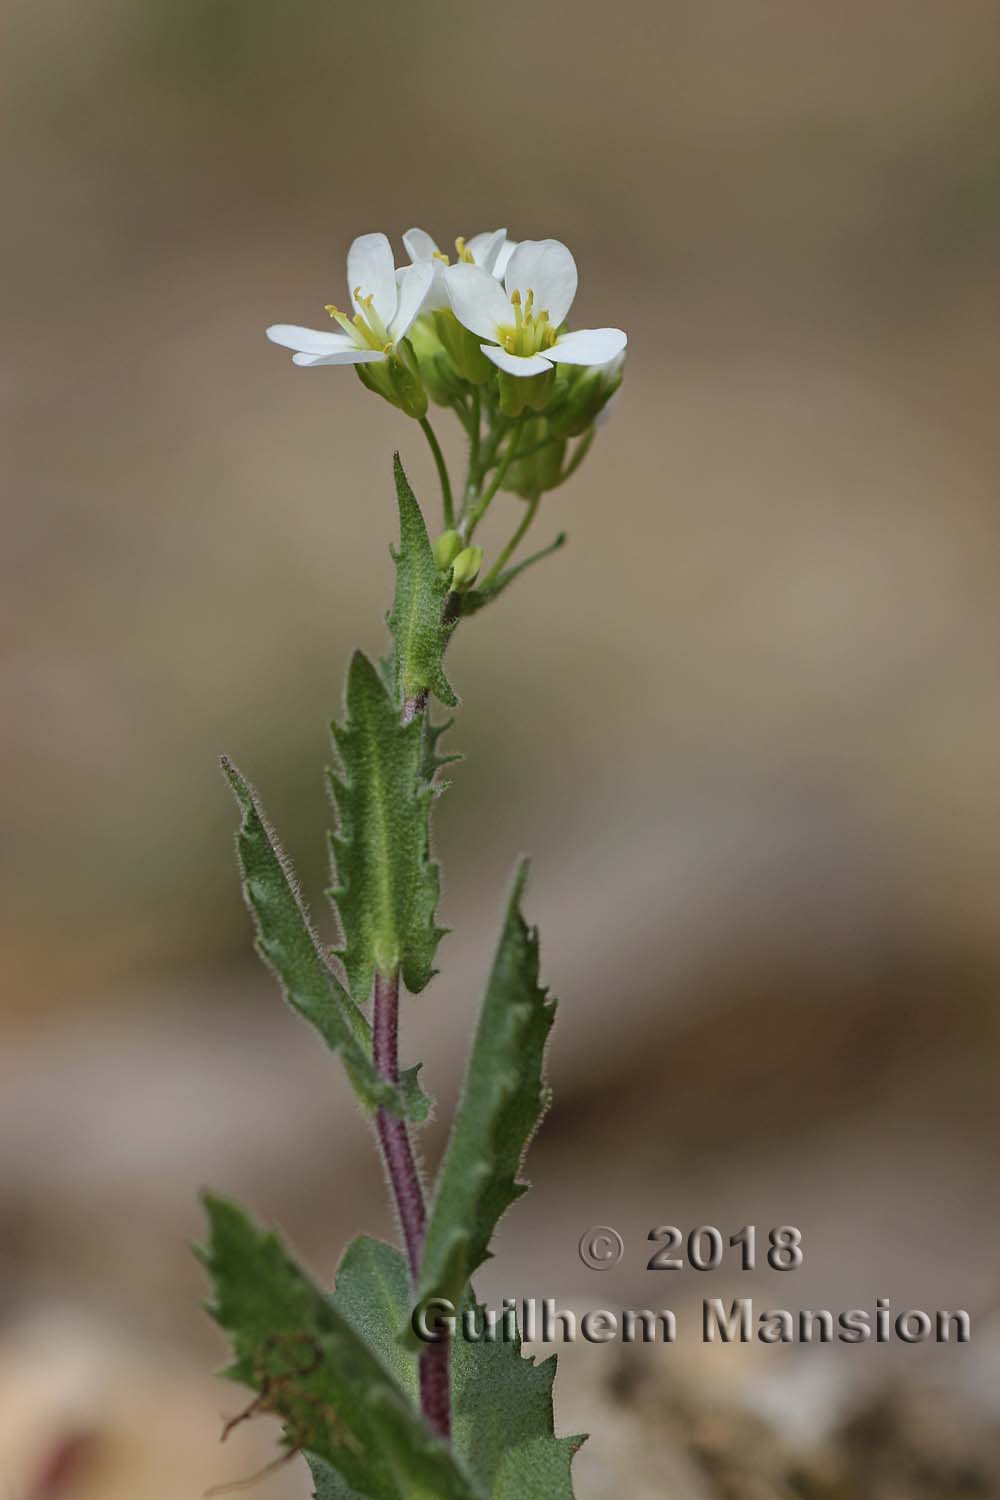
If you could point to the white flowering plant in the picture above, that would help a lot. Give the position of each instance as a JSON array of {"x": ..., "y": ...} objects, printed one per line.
[{"x": 379, "y": 1412}]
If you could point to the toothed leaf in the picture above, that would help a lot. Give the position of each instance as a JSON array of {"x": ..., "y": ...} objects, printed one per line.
[
  {"x": 539, "y": 1468},
  {"x": 417, "y": 618},
  {"x": 388, "y": 884},
  {"x": 311, "y": 1368},
  {"x": 430, "y": 761},
  {"x": 502, "y": 1419},
  {"x": 289, "y": 947},
  {"x": 503, "y": 1098}
]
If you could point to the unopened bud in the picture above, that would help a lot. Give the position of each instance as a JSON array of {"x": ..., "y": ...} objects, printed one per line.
[
  {"x": 465, "y": 568},
  {"x": 589, "y": 389},
  {"x": 446, "y": 548}
]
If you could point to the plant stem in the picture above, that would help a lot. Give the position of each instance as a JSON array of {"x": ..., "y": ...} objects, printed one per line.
[
  {"x": 414, "y": 707},
  {"x": 394, "y": 1138},
  {"x": 474, "y": 433},
  {"x": 515, "y": 541},
  {"x": 477, "y": 513},
  {"x": 435, "y": 1387},
  {"x": 579, "y": 454},
  {"x": 442, "y": 468}
]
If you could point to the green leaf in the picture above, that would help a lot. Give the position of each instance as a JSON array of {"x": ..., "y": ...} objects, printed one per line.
[
  {"x": 539, "y": 1468},
  {"x": 503, "y": 1098},
  {"x": 288, "y": 945},
  {"x": 502, "y": 1419},
  {"x": 417, "y": 618},
  {"x": 312, "y": 1369},
  {"x": 388, "y": 884},
  {"x": 430, "y": 761}
]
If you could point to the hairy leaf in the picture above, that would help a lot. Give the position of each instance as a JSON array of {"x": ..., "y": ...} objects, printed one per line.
[
  {"x": 503, "y": 1098},
  {"x": 312, "y": 1369},
  {"x": 287, "y": 944},
  {"x": 388, "y": 884},
  {"x": 540, "y": 1467},
  {"x": 502, "y": 1420},
  {"x": 417, "y": 619},
  {"x": 430, "y": 761}
]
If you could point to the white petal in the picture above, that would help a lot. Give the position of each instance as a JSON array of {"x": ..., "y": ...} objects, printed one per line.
[
  {"x": 546, "y": 268},
  {"x": 349, "y": 356},
  {"x": 503, "y": 259},
  {"x": 371, "y": 270},
  {"x": 415, "y": 283},
  {"x": 477, "y": 300},
  {"x": 588, "y": 346},
  {"x": 484, "y": 248},
  {"x": 418, "y": 245},
  {"x": 436, "y": 297},
  {"x": 516, "y": 364},
  {"x": 308, "y": 340}
]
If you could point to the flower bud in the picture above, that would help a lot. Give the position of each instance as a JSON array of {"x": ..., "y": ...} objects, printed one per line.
[
  {"x": 587, "y": 391},
  {"x": 446, "y": 548},
  {"x": 465, "y": 568}
]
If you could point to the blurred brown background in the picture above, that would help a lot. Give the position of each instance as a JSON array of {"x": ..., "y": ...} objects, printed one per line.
[{"x": 747, "y": 722}]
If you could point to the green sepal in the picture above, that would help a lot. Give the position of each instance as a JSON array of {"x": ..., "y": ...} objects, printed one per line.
[
  {"x": 463, "y": 349},
  {"x": 502, "y": 1417},
  {"x": 441, "y": 381},
  {"x": 477, "y": 599},
  {"x": 417, "y": 620},
  {"x": 289, "y": 947},
  {"x": 503, "y": 1099},
  {"x": 397, "y": 380},
  {"x": 519, "y": 393},
  {"x": 313, "y": 1370},
  {"x": 388, "y": 884}
]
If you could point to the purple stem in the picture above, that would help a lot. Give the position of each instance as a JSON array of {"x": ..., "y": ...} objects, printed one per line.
[
  {"x": 393, "y": 1135},
  {"x": 394, "y": 1138}
]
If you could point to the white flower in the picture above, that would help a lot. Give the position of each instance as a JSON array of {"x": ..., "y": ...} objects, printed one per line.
[
  {"x": 521, "y": 319},
  {"x": 487, "y": 250},
  {"x": 385, "y": 304}
]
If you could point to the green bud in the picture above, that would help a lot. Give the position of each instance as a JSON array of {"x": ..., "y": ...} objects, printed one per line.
[
  {"x": 462, "y": 348},
  {"x": 446, "y": 548},
  {"x": 465, "y": 569},
  {"x": 582, "y": 394}
]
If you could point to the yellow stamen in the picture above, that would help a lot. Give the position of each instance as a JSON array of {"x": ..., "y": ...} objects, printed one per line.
[
  {"x": 531, "y": 332},
  {"x": 464, "y": 253},
  {"x": 440, "y": 255}
]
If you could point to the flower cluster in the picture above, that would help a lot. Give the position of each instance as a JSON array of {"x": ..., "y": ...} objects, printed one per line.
[
  {"x": 512, "y": 298},
  {"x": 484, "y": 334}
]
